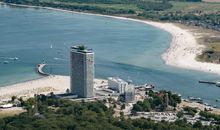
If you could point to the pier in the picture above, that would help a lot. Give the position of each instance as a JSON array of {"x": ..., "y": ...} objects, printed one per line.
[
  {"x": 207, "y": 82},
  {"x": 210, "y": 82},
  {"x": 40, "y": 69}
]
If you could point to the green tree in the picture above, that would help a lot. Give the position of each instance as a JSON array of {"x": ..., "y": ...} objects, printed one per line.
[
  {"x": 180, "y": 114},
  {"x": 13, "y": 98},
  {"x": 137, "y": 107},
  {"x": 198, "y": 124}
]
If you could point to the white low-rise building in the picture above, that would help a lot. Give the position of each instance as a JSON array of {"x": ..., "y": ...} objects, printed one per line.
[
  {"x": 117, "y": 84},
  {"x": 125, "y": 89}
]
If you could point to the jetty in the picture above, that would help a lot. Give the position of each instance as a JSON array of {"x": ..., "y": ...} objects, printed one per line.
[
  {"x": 210, "y": 82},
  {"x": 40, "y": 69},
  {"x": 207, "y": 82}
]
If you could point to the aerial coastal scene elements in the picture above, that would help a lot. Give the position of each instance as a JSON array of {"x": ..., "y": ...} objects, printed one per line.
[{"x": 72, "y": 64}]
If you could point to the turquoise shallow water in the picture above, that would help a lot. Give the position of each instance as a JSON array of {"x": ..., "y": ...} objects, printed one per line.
[{"x": 122, "y": 48}]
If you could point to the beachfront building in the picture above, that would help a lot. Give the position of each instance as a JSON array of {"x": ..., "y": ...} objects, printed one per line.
[
  {"x": 82, "y": 71},
  {"x": 125, "y": 89},
  {"x": 117, "y": 84}
]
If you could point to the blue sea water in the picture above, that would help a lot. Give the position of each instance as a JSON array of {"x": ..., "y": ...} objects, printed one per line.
[{"x": 126, "y": 49}]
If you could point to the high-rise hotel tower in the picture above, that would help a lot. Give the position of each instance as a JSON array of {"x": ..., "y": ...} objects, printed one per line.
[{"x": 82, "y": 71}]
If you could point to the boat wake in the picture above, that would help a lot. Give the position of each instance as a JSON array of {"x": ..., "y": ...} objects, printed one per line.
[
  {"x": 9, "y": 58},
  {"x": 55, "y": 58}
]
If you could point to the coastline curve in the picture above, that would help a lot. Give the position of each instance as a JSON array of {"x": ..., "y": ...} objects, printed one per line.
[{"x": 183, "y": 48}]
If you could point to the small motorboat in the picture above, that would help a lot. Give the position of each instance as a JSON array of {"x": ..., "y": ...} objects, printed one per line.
[
  {"x": 5, "y": 62},
  {"x": 195, "y": 99}
]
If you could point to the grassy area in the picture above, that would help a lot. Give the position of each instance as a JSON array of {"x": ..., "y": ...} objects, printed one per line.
[
  {"x": 214, "y": 47},
  {"x": 212, "y": 50},
  {"x": 211, "y": 53},
  {"x": 177, "y": 6},
  {"x": 191, "y": 6},
  {"x": 120, "y": 4},
  {"x": 112, "y": 6},
  {"x": 214, "y": 1}
]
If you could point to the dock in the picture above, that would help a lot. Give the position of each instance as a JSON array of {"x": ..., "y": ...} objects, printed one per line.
[
  {"x": 40, "y": 69},
  {"x": 210, "y": 82},
  {"x": 207, "y": 82}
]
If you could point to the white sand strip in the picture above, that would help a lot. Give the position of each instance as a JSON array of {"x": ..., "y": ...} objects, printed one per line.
[
  {"x": 56, "y": 83},
  {"x": 184, "y": 49}
]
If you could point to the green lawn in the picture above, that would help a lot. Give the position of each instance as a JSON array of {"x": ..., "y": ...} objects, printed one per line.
[
  {"x": 190, "y": 6},
  {"x": 214, "y": 47},
  {"x": 177, "y": 6},
  {"x": 112, "y": 6}
]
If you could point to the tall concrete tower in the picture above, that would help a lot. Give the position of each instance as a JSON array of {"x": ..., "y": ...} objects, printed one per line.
[{"x": 82, "y": 71}]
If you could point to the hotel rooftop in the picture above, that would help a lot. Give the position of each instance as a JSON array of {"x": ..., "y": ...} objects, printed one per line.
[{"x": 81, "y": 48}]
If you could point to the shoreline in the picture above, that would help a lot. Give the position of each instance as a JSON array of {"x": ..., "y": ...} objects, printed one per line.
[
  {"x": 59, "y": 84},
  {"x": 54, "y": 83},
  {"x": 183, "y": 45},
  {"x": 43, "y": 85}
]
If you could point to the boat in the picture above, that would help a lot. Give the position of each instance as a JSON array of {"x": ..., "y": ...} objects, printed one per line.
[
  {"x": 55, "y": 58},
  {"x": 51, "y": 46},
  {"x": 206, "y": 104},
  {"x": 149, "y": 86},
  {"x": 195, "y": 99},
  {"x": 5, "y": 62}
]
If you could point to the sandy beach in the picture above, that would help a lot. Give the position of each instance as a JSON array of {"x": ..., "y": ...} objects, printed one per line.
[
  {"x": 184, "y": 49},
  {"x": 53, "y": 83},
  {"x": 45, "y": 85}
]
